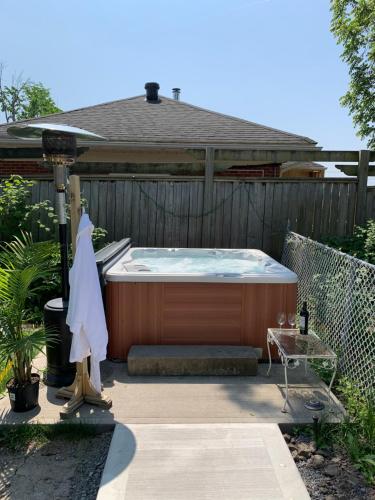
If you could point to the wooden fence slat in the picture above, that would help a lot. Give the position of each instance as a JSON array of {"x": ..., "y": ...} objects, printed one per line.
[
  {"x": 110, "y": 209},
  {"x": 169, "y": 205},
  {"x": 242, "y": 217},
  {"x": 197, "y": 210},
  {"x": 92, "y": 199},
  {"x": 235, "y": 237},
  {"x": 267, "y": 228},
  {"x": 178, "y": 210},
  {"x": 227, "y": 215},
  {"x": 325, "y": 210},
  {"x": 136, "y": 216},
  {"x": 208, "y": 196},
  {"x": 144, "y": 206},
  {"x": 152, "y": 214},
  {"x": 293, "y": 189},
  {"x": 342, "y": 210},
  {"x": 194, "y": 226},
  {"x": 318, "y": 201},
  {"x": 255, "y": 219},
  {"x": 334, "y": 202},
  {"x": 303, "y": 205},
  {"x": 184, "y": 221},
  {"x": 160, "y": 215},
  {"x": 279, "y": 219},
  {"x": 128, "y": 209},
  {"x": 102, "y": 206},
  {"x": 219, "y": 193},
  {"x": 119, "y": 211},
  {"x": 352, "y": 201}
]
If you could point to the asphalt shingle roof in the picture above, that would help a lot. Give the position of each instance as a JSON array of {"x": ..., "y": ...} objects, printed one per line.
[{"x": 135, "y": 120}]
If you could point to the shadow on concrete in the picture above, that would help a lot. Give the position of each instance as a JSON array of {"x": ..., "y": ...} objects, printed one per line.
[
  {"x": 121, "y": 453},
  {"x": 7, "y": 416},
  {"x": 51, "y": 396}
]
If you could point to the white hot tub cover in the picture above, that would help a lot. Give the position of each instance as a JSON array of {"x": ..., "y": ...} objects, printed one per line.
[{"x": 86, "y": 316}]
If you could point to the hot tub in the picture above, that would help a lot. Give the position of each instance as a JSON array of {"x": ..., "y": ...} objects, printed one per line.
[{"x": 195, "y": 296}]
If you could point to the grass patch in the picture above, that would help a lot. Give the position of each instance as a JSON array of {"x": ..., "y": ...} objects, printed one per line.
[
  {"x": 357, "y": 432},
  {"x": 22, "y": 436}
]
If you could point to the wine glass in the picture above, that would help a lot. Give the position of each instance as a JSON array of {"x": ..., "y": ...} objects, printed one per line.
[
  {"x": 292, "y": 320},
  {"x": 280, "y": 319}
]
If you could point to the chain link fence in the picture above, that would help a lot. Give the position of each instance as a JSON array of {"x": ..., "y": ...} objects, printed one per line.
[{"x": 340, "y": 294}]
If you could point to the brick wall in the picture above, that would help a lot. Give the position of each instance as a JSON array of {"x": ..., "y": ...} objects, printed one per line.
[
  {"x": 28, "y": 168},
  {"x": 22, "y": 167},
  {"x": 272, "y": 170}
]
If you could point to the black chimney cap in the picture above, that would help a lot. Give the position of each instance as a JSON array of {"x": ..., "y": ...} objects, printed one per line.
[
  {"x": 152, "y": 94},
  {"x": 176, "y": 93}
]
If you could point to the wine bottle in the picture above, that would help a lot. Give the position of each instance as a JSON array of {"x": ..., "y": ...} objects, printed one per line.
[{"x": 304, "y": 320}]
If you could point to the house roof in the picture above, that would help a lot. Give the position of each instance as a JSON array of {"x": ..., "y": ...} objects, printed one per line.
[{"x": 137, "y": 121}]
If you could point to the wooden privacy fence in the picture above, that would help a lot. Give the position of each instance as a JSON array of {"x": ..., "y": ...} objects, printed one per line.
[{"x": 241, "y": 213}]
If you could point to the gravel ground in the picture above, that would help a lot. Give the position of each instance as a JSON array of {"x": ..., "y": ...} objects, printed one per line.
[
  {"x": 58, "y": 470},
  {"x": 328, "y": 473},
  {"x": 345, "y": 486}
]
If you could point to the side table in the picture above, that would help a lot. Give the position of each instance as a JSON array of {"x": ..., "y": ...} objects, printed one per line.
[{"x": 293, "y": 347}]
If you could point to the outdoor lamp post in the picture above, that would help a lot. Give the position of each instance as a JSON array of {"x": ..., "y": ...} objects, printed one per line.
[{"x": 59, "y": 147}]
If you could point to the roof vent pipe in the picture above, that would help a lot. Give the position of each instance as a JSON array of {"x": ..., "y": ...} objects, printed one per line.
[
  {"x": 152, "y": 89},
  {"x": 176, "y": 93}
]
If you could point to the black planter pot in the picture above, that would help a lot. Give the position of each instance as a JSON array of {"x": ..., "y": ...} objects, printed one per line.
[{"x": 24, "y": 397}]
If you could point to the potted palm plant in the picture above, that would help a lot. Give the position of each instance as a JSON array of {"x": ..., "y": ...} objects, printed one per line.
[{"x": 23, "y": 272}]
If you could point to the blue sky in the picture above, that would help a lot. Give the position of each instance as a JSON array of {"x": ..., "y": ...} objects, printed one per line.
[{"x": 274, "y": 62}]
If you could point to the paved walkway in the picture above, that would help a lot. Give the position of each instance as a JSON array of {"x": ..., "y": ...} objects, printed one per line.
[
  {"x": 188, "y": 399},
  {"x": 206, "y": 437},
  {"x": 200, "y": 462}
]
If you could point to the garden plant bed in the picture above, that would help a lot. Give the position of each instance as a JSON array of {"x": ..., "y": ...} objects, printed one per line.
[
  {"x": 328, "y": 473},
  {"x": 44, "y": 462}
]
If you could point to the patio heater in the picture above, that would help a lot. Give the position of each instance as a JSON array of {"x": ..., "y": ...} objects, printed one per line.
[{"x": 59, "y": 147}]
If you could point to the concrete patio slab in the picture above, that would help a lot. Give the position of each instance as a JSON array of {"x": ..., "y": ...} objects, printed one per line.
[
  {"x": 200, "y": 462},
  {"x": 187, "y": 399}
]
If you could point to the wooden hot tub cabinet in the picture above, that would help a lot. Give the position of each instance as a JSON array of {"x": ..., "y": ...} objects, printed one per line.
[{"x": 193, "y": 313}]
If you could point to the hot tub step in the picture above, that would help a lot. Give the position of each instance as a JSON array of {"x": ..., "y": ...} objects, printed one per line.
[{"x": 192, "y": 360}]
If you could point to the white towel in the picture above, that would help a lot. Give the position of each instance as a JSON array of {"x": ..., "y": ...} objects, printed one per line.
[{"x": 86, "y": 316}]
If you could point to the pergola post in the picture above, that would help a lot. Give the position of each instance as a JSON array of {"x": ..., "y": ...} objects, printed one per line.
[
  {"x": 362, "y": 177},
  {"x": 208, "y": 195},
  {"x": 75, "y": 208}
]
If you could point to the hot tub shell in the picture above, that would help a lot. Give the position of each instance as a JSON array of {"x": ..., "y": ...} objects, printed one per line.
[{"x": 147, "y": 308}]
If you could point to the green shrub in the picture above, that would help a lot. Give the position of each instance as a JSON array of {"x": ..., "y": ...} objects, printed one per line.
[
  {"x": 357, "y": 432},
  {"x": 360, "y": 245},
  {"x": 50, "y": 286},
  {"x": 22, "y": 268},
  {"x": 17, "y": 213}
]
